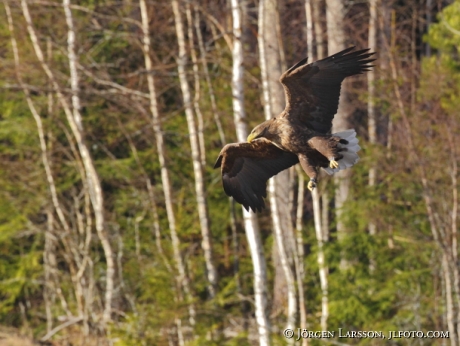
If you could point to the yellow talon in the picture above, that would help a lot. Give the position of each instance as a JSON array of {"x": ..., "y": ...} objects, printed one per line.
[
  {"x": 333, "y": 164},
  {"x": 311, "y": 185}
]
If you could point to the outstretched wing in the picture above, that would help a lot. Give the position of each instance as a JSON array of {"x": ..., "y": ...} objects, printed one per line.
[
  {"x": 246, "y": 167},
  {"x": 313, "y": 90}
]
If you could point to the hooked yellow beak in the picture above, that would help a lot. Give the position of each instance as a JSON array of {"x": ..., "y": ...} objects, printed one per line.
[{"x": 251, "y": 137}]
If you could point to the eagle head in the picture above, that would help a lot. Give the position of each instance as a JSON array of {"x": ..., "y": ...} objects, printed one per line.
[{"x": 261, "y": 130}]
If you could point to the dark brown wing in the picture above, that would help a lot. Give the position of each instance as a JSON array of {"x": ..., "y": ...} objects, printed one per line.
[
  {"x": 313, "y": 90},
  {"x": 246, "y": 167}
]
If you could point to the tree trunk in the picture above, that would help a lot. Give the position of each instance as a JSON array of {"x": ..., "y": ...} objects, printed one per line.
[
  {"x": 47, "y": 251},
  {"x": 454, "y": 226},
  {"x": 182, "y": 278},
  {"x": 387, "y": 26},
  {"x": 428, "y": 20},
  {"x": 449, "y": 300},
  {"x": 442, "y": 235},
  {"x": 273, "y": 95},
  {"x": 48, "y": 256},
  {"x": 320, "y": 216},
  {"x": 95, "y": 187},
  {"x": 372, "y": 121},
  {"x": 318, "y": 28},
  {"x": 212, "y": 96},
  {"x": 250, "y": 220},
  {"x": 300, "y": 253},
  {"x": 197, "y": 168},
  {"x": 335, "y": 15},
  {"x": 323, "y": 272},
  {"x": 74, "y": 118},
  {"x": 371, "y": 112},
  {"x": 39, "y": 123},
  {"x": 309, "y": 28},
  {"x": 152, "y": 199},
  {"x": 197, "y": 86}
]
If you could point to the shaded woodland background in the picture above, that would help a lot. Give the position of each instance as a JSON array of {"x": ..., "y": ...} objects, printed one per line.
[{"x": 114, "y": 228}]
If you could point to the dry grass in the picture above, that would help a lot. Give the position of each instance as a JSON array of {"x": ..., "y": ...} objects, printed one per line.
[
  {"x": 11, "y": 337},
  {"x": 68, "y": 337}
]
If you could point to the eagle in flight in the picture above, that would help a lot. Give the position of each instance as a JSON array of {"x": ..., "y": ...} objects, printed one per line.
[{"x": 300, "y": 134}]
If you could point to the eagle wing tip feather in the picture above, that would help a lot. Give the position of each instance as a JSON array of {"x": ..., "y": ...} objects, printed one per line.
[{"x": 218, "y": 162}]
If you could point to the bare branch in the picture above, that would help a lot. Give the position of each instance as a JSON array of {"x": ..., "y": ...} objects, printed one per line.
[{"x": 57, "y": 329}]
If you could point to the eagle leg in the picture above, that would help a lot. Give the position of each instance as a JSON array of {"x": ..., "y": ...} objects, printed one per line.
[
  {"x": 311, "y": 184},
  {"x": 310, "y": 168}
]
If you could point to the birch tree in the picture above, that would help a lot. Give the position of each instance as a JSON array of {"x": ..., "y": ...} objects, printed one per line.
[
  {"x": 94, "y": 183},
  {"x": 442, "y": 219},
  {"x": 250, "y": 220},
  {"x": 196, "y": 159},
  {"x": 320, "y": 215},
  {"x": 335, "y": 16},
  {"x": 47, "y": 253},
  {"x": 371, "y": 111},
  {"x": 318, "y": 28},
  {"x": 309, "y": 28},
  {"x": 196, "y": 80},
  {"x": 300, "y": 253},
  {"x": 211, "y": 92},
  {"x": 321, "y": 261},
  {"x": 270, "y": 66},
  {"x": 182, "y": 279},
  {"x": 429, "y": 19},
  {"x": 75, "y": 121}
]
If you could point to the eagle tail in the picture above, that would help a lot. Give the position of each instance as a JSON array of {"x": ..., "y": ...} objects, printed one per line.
[{"x": 350, "y": 156}]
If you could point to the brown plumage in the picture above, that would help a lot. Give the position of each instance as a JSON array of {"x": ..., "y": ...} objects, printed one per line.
[{"x": 301, "y": 133}]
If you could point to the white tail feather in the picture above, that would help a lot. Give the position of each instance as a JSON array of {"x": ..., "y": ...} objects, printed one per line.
[{"x": 350, "y": 156}]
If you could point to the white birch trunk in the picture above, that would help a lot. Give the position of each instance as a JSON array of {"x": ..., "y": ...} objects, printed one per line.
[
  {"x": 49, "y": 248},
  {"x": 300, "y": 266},
  {"x": 320, "y": 54},
  {"x": 212, "y": 96},
  {"x": 152, "y": 200},
  {"x": 156, "y": 123},
  {"x": 250, "y": 220},
  {"x": 38, "y": 121},
  {"x": 309, "y": 28},
  {"x": 371, "y": 112},
  {"x": 438, "y": 228},
  {"x": 197, "y": 168},
  {"x": 372, "y": 121},
  {"x": 454, "y": 227},
  {"x": 325, "y": 215},
  {"x": 387, "y": 25},
  {"x": 321, "y": 260},
  {"x": 74, "y": 119},
  {"x": 320, "y": 230},
  {"x": 318, "y": 28},
  {"x": 449, "y": 300},
  {"x": 336, "y": 42},
  {"x": 93, "y": 178},
  {"x": 270, "y": 65},
  {"x": 196, "y": 79}
]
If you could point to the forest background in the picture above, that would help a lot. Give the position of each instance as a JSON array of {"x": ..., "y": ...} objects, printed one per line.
[{"x": 114, "y": 227}]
